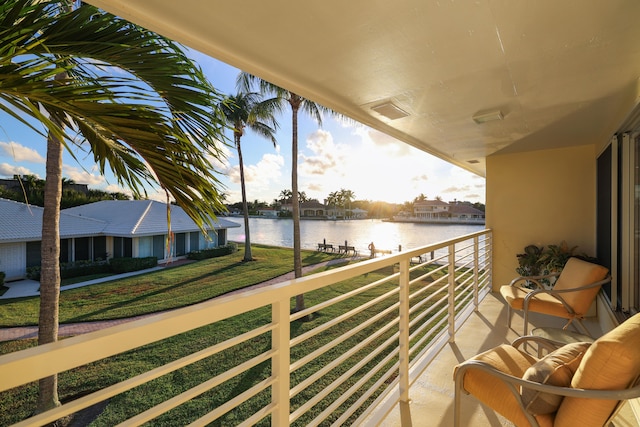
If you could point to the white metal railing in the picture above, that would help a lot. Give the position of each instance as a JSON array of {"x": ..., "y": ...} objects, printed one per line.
[{"x": 373, "y": 327}]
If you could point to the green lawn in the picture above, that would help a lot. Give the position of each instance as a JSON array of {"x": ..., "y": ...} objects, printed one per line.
[
  {"x": 161, "y": 290},
  {"x": 199, "y": 279}
]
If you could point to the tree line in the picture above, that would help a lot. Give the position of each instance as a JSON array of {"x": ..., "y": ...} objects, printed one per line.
[
  {"x": 30, "y": 189},
  {"x": 344, "y": 199}
]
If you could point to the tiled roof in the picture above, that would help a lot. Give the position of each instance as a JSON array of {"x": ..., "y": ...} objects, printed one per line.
[
  {"x": 22, "y": 223},
  {"x": 120, "y": 218},
  {"x": 465, "y": 209},
  {"x": 128, "y": 218},
  {"x": 435, "y": 202}
]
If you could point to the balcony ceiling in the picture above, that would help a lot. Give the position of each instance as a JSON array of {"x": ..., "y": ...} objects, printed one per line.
[{"x": 561, "y": 72}]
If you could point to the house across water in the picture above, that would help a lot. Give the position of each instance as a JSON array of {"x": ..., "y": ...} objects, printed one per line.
[{"x": 437, "y": 211}]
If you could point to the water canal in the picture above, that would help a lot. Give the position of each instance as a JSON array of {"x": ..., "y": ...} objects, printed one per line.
[{"x": 358, "y": 233}]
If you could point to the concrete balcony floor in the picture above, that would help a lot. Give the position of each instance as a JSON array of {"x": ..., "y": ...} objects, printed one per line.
[{"x": 432, "y": 394}]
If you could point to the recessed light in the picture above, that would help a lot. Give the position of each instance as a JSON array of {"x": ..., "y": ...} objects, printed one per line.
[
  {"x": 390, "y": 111},
  {"x": 487, "y": 116},
  {"x": 473, "y": 162}
]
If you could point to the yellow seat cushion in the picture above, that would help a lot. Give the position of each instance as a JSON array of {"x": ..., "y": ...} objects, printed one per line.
[
  {"x": 611, "y": 363},
  {"x": 576, "y": 273},
  {"x": 541, "y": 303},
  {"x": 496, "y": 394}
]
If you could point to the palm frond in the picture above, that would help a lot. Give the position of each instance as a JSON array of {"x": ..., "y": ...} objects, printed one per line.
[{"x": 143, "y": 108}]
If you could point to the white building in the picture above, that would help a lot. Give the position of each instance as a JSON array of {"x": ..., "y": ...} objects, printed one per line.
[{"x": 101, "y": 230}]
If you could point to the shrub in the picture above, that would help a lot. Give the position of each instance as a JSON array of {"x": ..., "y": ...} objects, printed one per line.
[
  {"x": 2, "y": 276},
  {"x": 126, "y": 265},
  {"x": 227, "y": 249},
  {"x": 74, "y": 269}
]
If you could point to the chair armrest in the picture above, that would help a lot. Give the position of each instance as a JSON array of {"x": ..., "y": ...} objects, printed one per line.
[
  {"x": 557, "y": 294},
  {"x": 516, "y": 382},
  {"x": 547, "y": 343}
]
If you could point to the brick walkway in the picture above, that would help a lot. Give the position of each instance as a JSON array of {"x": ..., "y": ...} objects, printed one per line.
[{"x": 70, "y": 329}]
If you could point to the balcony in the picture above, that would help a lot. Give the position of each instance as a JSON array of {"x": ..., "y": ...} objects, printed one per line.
[{"x": 375, "y": 335}]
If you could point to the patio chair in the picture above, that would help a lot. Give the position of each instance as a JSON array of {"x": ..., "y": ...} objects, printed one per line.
[
  {"x": 573, "y": 293},
  {"x": 579, "y": 384}
]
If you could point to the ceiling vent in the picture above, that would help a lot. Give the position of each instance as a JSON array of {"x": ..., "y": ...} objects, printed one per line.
[
  {"x": 487, "y": 116},
  {"x": 390, "y": 111}
]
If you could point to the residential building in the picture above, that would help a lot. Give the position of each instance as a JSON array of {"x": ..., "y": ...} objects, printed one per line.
[
  {"x": 437, "y": 211},
  {"x": 313, "y": 209},
  {"x": 102, "y": 230},
  {"x": 542, "y": 98}
]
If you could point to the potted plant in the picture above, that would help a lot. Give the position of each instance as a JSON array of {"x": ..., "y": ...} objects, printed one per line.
[
  {"x": 529, "y": 262},
  {"x": 556, "y": 256},
  {"x": 543, "y": 261}
]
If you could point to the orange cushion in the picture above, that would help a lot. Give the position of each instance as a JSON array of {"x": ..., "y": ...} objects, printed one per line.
[
  {"x": 541, "y": 303},
  {"x": 556, "y": 368},
  {"x": 611, "y": 363},
  {"x": 577, "y": 273},
  {"x": 494, "y": 393}
]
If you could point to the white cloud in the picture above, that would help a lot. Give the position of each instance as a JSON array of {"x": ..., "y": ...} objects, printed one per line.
[
  {"x": 81, "y": 176},
  {"x": 327, "y": 158},
  {"x": 376, "y": 166},
  {"x": 20, "y": 153},
  {"x": 259, "y": 179},
  {"x": 221, "y": 162},
  {"x": 9, "y": 171},
  {"x": 114, "y": 188}
]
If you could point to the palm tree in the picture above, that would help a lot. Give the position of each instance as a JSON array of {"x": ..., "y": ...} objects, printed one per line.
[
  {"x": 245, "y": 81},
  {"x": 347, "y": 197},
  {"x": 285, "y": 196},
  {"x": 333, "y": 200},
  {"x": 248, "y": 110},
  {"x": 149, "y": 122}
]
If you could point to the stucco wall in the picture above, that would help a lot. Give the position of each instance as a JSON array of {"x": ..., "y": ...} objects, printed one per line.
[{"x": 540, "y": 197}]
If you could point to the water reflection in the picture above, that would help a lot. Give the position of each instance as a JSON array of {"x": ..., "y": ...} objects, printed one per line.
[{"x": 358, "y": 233}]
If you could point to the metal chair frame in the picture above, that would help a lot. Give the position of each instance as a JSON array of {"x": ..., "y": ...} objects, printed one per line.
[{"x": 514, "y": 383}]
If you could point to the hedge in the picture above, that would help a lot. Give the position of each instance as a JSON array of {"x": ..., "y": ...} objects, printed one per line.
[
  {"x": 74, "y": 269},
  {"x": 126, "y": 265},
  {"x": 87, "y": 268},
  {"x": 228, "y": 249}
]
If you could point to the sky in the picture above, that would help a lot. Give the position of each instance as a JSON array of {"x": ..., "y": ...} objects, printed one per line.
[{"x": 338, "y": 155}]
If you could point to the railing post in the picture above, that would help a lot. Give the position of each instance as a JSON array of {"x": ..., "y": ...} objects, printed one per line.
[
  {"x": 452, "y": 289},
  {"x": 280, "y": 341},
  {"x": 404, "y": 332},
  {"x": 476, "y": 269}
]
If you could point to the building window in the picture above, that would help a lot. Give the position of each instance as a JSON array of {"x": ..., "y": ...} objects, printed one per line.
[
  {"x": 180, "y": 244},
  {"x": 100, "y": 248},
  {"x": 158, "y": 246},
  {"x": 618, "y": 220},
  {"x": 122, "y": 247},
  {"x": 33, "y": 254},
  {"x": 194, "y": 241},
  {"x": 82, "y": 250},
  {"x": 145, "y": 247}
]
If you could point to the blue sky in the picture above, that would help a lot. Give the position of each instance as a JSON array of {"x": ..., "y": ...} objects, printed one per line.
[{"x": 374, "y": 166}]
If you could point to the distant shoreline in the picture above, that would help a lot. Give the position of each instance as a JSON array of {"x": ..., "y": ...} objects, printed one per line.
[
  {"x": 443, "y": 221},
  {"x": 414, "y": 220}
]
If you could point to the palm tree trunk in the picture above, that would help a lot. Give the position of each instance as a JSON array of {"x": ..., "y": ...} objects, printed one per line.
[
  {"x": 50, "y": 267},
  {"x": 248, "y": 256},
  {"x": 297, "y": 257}
]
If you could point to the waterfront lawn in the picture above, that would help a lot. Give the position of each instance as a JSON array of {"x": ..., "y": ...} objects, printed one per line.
[
  {"x": 162, "y": 290},
  {"x": 17, "y": 404}
]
